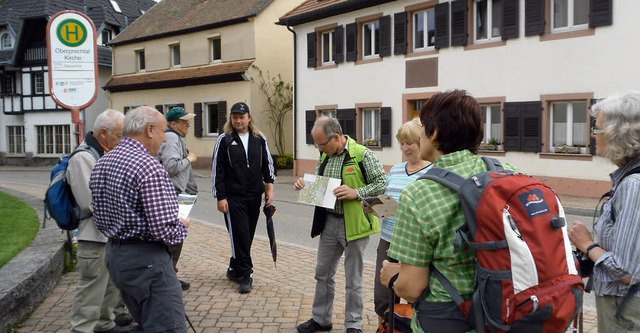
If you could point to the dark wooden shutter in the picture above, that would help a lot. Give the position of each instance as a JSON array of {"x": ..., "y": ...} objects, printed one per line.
[
  {"x": 600, "y": 13},
  {"x": 442, "y": 25},
  {"x": 338, "y": 46},
  {"x": 310, "y": 119},
  {"x": 197, "y": 121},
  {"x": 522, "y": 126},
  {"x": 160, "y": 108},
  {"x": 459, "y": 23},
  {"x": 385, "y": 36},
  {"x": 222, "y": 116},
  {"x": 311, "y": 50},
  {"x": 347, "y": 120},
  {"x": 533, "y": 17},
  {"x": 592, "y": 140},
  {"x": 385, "y": 127},
  {"x": 352, "y": 41},
  {"x": 510, "y": 19},
  {"x": 400, "y": 33}
]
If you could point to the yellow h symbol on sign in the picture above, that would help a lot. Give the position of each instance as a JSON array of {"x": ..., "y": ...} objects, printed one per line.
[{"x": 72, "y": 33}]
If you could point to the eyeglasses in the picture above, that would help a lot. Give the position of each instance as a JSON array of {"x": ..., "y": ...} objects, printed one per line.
[
  {"x": 324, "y": 144},
  {"x": 596, "y": 131}
]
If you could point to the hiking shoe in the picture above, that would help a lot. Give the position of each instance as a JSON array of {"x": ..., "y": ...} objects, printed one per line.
[
  {"x": 231, "y": 276},
  {"x": 245, "y": 285},
  {"x": 354, "y": 330},
  {"x": 311, "y": 326},
  {"x": 185, "y": 285},
  {"x": 115, "y": 329},
  {"x": 123, "y": 319}
]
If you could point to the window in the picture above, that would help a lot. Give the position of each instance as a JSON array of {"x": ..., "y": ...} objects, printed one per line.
[
  {"x": 488, "y": 14},
  {"x": 175, "y": 55},
  {"x": 213, "y": 121},
  {"x": 8, "y": 84},
  {"x": 424, "y": 29},
  {"x": 115, "y": 6},
  {"x": 569, "y": 124},
  {"x": 568, "y": 14},
  {"x": 15, "y": 139},
  {"x": 38, "y": 83},
  {"x": 54, "y": 139},
  {"x": 216, "y": 51},
  {"x": 492, "y": 124},
  {"x": 371, "y": 127},
  {"x": 5, "y": 41},
  {"x": 140, "y": 60},
  {"x": 106, "y": 37},
  {"x": 328, "y": 112},
  {"x": 327, "y": 47},
  {"x": 371, "y": 39}
]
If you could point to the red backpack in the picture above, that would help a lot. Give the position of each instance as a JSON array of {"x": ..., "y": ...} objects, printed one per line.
[{"x": 526, "y": 275}]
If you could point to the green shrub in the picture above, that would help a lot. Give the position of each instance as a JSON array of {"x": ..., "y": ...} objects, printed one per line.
[{"x": 285, "y": 161}]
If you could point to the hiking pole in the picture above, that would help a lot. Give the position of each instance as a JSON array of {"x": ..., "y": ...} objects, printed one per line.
[{"x": 189, "y": 321}]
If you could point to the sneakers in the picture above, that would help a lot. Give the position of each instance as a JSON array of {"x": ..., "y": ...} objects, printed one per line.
[
  {"x": 311, "y": 326},
  {"x": 232, "y": 276},
  {"x": 123, "y": 319},
  {"x": 246, "y": 284},
  {"x": 354, "y": 330},
  {"x": 185, "y": 285}
]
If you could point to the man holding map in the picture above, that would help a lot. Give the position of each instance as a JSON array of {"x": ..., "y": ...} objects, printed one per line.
[{"x": 362, "y": 175}]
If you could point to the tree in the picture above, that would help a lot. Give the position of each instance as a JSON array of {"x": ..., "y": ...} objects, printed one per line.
[{"x": 279, "y": 96}]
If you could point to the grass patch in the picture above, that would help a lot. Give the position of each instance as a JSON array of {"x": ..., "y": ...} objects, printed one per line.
[{"x": 18, "y": 226}]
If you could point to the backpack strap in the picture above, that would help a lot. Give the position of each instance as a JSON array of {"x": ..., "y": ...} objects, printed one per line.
[
  {"x": 88, "y": 148},
  {"x": 492, "y": 163},
  {"x": 445, "y": 177}
]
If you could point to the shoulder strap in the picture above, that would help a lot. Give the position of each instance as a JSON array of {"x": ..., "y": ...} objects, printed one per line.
[
  {"x": 492, "y": 163},
  {"x": 445, "y": 177},
  {"x": 610, "y": 193},
  {"x": 88, "y": 148}
]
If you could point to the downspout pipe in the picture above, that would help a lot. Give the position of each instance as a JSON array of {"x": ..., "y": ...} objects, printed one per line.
[{"x": 295, "y": 95}]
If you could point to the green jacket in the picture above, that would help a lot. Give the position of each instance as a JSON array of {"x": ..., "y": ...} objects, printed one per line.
[{"x": 358, "y": 224}]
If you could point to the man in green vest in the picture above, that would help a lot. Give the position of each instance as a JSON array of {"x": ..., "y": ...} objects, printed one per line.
[{"x": 362, "y": 175}]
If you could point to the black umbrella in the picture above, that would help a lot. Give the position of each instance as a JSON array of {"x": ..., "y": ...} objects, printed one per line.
[{"x": 268, "y": 212}]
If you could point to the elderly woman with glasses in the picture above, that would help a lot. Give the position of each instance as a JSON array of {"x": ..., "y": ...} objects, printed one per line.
[{"x": 615, "y": 246}]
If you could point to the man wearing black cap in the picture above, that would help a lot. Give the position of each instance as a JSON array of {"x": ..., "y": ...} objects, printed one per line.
[
  {"x": 242, "y": 171},
  {"x": 176, "y": 159}
]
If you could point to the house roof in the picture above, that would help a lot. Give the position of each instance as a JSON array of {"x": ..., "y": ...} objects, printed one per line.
[
  {"x": 313, "y": 10},
  {"x": 176, "y": 17},
  {"x": 226, "y": 72}
]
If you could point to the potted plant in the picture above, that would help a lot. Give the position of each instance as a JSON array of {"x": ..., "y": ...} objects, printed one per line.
[
  {"x": 565, "y": 149},
  {"x": 371, "y": 143},
  {"x": 492, "y": 144}
]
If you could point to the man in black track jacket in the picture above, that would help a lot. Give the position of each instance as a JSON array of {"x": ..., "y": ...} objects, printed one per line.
[{"x": 242, "y": 171}]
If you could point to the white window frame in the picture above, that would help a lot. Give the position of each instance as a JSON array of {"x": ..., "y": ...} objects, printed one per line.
[
  {"x": 372, "y": 37},
  {"x": 5, "y": 41},
  {"x": 570, "y": 17},
  {"x": 489, "y": 126},
  {"x": 38, "y": 83},
  {"x": 428, "y": 15},
  {"x": 175, "y": 55},
  {"x": 53, "y": 139},
  {"x": 326, "y": 46},
  {"x": 108, "y": 34},
  {"x": 208, "y": 131},
  {"x": 213, "y": 49},
  {"x": 15, "y": 140},
  {"x": 371, "y": 127},
  {"x": 488, "y": 30},
  {"x": 141, "y": 63},
  {"x": 569, "y": 135}
]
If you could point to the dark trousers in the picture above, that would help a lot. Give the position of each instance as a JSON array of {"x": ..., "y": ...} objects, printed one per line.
[
  {"x": 175, "y": 251},
  {"x": 241, "y": 221},
  {"x": 144, "y": 274}
]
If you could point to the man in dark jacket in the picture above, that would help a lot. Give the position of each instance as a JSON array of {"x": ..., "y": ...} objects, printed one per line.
[{"x": 242, "y": 171}]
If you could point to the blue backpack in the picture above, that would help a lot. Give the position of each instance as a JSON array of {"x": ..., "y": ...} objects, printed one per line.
[{"x": 59, "y": 202}]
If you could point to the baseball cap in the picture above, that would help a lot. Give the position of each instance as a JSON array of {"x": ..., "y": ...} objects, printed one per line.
[
  {"x": 178, "y": 112},
  {"x": 240, "y": 107}
]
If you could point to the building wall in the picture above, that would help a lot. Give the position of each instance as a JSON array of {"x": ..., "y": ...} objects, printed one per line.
[{"x": 521, "y": 69}]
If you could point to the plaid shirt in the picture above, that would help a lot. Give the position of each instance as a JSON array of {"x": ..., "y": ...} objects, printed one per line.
[
  {"x": 426, "y": 222},
  {"x": 373, "y": 169},
  {"x": 133, "y": 197}
]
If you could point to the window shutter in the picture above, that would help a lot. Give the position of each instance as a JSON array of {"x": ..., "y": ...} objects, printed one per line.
[
  {"x": 385, "y": 36},
  {"x": 442, "y": 25},
  {"x": 531, "y": 126},
  {"x": 347, "y": 120},
  {"x": 197, "y": 121},
  {"x": 510, "y": 19},
  {"x": 511, "y": 127},
  {"x": 459, "y": 23},
  {"x": 338, "y": 46},
  {"x": 600, "y": 13},
  {"x": 311, "y": 50},
  {"x": 533, "y": 17},
  {"x": 160, "y": 108},
  {"x": 385, "y": 127},
  {"x": 310, "y": 119},
  {"x": 400, "y": 33},
  {"x": 222, "y": 116},
  {"x": 592, "y": 140},
  {"x": 352, "y": 44}
]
